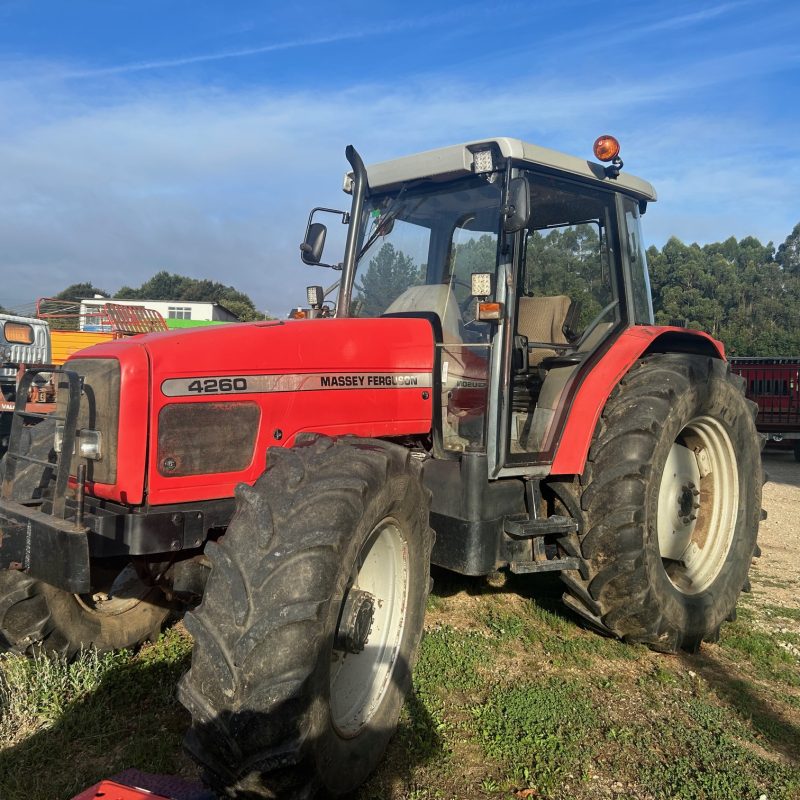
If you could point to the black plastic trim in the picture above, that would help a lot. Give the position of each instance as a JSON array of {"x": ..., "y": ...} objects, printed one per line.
[{"x": 55, "y": 551}]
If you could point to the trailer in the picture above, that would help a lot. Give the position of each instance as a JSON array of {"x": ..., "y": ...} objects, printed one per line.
[
  {"x": 774, "y": 385},
  {"x": 73, "y": 329}
]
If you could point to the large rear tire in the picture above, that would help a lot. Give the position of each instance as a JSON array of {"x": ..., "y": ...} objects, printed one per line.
[
  {"x": 671, "y": 501},
  {"x": 121, "y": 611},
  {"x": 311, "y": 621}
]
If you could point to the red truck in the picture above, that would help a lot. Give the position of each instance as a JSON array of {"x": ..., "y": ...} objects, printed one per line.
[{"x": 774, "y": 384}]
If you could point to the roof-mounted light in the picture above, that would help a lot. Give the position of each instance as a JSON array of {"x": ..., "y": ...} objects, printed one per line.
[
  {"x": 606, "y": 148},
  {"x": 482, "y": 161}
]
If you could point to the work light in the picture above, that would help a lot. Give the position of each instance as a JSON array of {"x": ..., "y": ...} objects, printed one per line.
[{"x": 315, "y": 296}]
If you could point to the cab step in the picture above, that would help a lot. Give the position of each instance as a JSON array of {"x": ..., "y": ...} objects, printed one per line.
[
  {"x": 548, "y": 565},
  {"x": 545, "y": 558},
  {"x": 522, "y": 527}
]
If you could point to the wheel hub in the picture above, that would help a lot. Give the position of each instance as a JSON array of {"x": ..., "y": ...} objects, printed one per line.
[
  {"x": 697, "y": 505},
  {"x": 687, "y": 502},
  {"x": 355, "y": 626},
  {"x": 126, "y": 591}
]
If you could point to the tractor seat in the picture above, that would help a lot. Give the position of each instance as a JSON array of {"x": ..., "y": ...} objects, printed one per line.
[
  {"x": 541, "y": 319},
  {"x": 438, "y": 299}
]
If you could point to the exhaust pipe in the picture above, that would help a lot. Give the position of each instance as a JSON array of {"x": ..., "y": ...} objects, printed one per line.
[{"x": 360, "y": 191}]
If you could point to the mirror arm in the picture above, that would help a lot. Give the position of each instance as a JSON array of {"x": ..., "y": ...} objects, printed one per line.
[{"x": 345, "y": 215}]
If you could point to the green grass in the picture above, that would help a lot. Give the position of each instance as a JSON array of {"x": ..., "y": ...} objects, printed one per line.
[
  {"x": 760, "y": 648},
  {"x": 783, "y": 612},
  {"x": 509, "y": 694},
  {"x": 65, "y": 727},
  {"x": 539, "y": 732}
]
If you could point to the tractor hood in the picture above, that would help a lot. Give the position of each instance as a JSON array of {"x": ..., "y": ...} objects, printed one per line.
[
  {"x": 219, "y": 397},
  {"x": 293, "y": 347}
]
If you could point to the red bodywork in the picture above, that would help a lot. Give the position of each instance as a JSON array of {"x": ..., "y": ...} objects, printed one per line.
[
  {"x": 298, "y": 357},
  {"x": 111, "y": 790},
  {"x": 590, "y": 398},
  {"x": 774, "y": 384},
  {"x": 371, "y": 347}
]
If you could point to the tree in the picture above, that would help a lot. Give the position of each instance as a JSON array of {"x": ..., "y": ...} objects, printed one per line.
[
  {"x": 389, "y": 273},
  {"x": 80, "y": 291},
  {"x": 742, "y": 292},
  {"x": 788, "y": 255},
  {"x": 168, "y": 286}
]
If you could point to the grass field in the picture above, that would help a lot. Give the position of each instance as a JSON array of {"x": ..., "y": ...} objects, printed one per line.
[{"x": 511, "y": 699}]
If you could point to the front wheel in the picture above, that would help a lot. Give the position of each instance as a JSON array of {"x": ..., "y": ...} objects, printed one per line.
[
  {"x": 671, "y": 501},
  {"x": 310, "y": 622},
  {"x": 122, "y": 610}
]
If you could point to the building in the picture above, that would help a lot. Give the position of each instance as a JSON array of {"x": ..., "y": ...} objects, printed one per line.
[{"x": 177, "y": 313}]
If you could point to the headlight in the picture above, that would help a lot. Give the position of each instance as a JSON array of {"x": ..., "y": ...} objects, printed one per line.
[{"x": 90, "y": 443}]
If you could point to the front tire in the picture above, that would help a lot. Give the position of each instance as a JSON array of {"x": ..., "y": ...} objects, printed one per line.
[
  {"x": 122, "y": 610},
  {"x": 671, "y": 501},
  {"x": 37, "y": 617},
  {"x": 311, "y": 621}
]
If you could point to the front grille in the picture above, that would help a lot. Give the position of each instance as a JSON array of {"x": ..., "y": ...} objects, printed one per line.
[
  {"x": 99, "y": 411},
  {"x": 206, "y": 438}
]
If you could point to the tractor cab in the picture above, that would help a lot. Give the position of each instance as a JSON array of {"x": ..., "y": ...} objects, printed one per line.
[{"x": 527, "y": 262}]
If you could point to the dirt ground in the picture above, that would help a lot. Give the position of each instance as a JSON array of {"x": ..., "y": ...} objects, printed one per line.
[{"x": 776, "y": 575}]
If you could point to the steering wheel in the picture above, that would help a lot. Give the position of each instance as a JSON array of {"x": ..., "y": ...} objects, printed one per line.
[{"x": 595, "y": 322}]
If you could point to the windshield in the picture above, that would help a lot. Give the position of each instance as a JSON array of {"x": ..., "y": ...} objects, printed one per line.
[{"x": 420, "y": 248}]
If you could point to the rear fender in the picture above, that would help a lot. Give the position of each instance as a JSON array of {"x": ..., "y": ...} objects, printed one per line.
[{"x": 593, "y": 391}]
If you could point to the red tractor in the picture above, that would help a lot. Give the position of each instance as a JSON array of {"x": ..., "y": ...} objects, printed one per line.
[{"x": 488, "y": 391}]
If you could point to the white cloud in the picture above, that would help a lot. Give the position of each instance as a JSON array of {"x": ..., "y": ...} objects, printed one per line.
[{"x": 217, "y": 183}]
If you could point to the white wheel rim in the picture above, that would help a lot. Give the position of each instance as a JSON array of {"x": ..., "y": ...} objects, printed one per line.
[
  {"x": 359, "y": 681},
  {"x": 698, "y": 501},
  {"x": 125, "y": 593}
]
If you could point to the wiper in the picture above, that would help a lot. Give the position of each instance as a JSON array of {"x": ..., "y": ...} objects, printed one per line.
[
  {"x": 382, "y": 223},
  {"x": 387, "y": 217}
]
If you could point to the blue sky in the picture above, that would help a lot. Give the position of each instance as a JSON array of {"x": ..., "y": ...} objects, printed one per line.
[{"x": 195, "y": 136}]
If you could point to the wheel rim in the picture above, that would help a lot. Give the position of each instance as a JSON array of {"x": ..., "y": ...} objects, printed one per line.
[
  {"x": 124, "y": 592},
  {"x": 360, "y": 680},
  {"x": 698, "y": 502}
]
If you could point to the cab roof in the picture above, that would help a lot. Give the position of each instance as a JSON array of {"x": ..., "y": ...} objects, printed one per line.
[{"x": 456, "y": 160}]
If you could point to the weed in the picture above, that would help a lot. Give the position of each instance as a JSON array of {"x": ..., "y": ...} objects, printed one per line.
[
  {"x": 782, "y": 611},
  {"x": 505, "y": 625},
  {"x": 704, "y": 762},
  {"x": 768, "y": 660},
  {"x": 35, "y": 692},
  {"x": 98, "y": 714},
  {"x": 449, "y": 660},
  {"x": 539, "y": 732}
]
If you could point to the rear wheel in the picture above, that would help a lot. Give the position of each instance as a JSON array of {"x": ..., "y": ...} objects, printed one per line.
[
  {"x": 671, "y": 500},
  {"x": 310, "y": 622},
  {"x": 122, "y": 610}
]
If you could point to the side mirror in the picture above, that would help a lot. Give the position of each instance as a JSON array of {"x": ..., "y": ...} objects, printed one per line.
[
  {"x": 311, "y": 249},
  {"x": 518, "y": 205}
]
